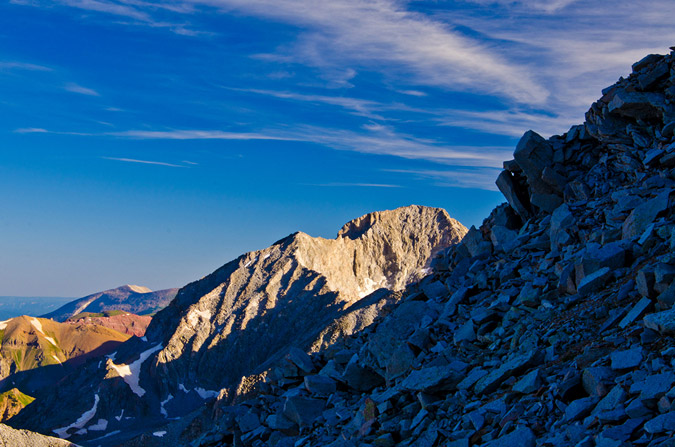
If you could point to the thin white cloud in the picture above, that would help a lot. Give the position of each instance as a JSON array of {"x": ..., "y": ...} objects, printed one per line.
[
  {"x": 76, "y": 88},
  {"x": 31, "y": 130},
  {"x": 355, "y": 185},
  {"x": 372, "y": 139},
  {"x": 547, "y": 6},
  {"x": 343, "y": 36},
  {"x": 412, "y": 93},
  {"x": 375, "y": 139},
  {"x": 478, "y": 178},
  {"x": 509, "y": 122},
  {"x": 197, "y": 135},
  {"x": 145, "y": 162},
  {"x": 7, "y": 65},
  {"x": 361, "y": 107},
  {"x": 385, "y": 36}
]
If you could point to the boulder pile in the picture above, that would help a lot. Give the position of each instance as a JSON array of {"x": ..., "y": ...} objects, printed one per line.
[{"x": 550, "y": 325}]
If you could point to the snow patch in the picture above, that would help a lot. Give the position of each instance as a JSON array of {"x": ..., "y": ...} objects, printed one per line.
[
  {"x": 267, "y": 256},
  {"x": 144, "y": 338},
  {"x": 159, "y": 434},
  {"x": 3, "y": 324},
  {"x": 250, "y": 262},
  {"x": 119, "y": 418},
  {"x": 131, "y": 373},
  {"x": 195, "y": 315},
  {"x": 112, "y": 356},
  {"x": 101, "y": 425},
  {"x": 205, "y": 394},
  {"x": 84, "y": 306},
  {"x": 80, "y": 422},
  {"x": 57, "y": 359},
  {"x": 182, "y": 388},
  {"x": 369, "y": 286},
  {"x": 164, "y": 402},
  {"x": 139, "y": 289}
]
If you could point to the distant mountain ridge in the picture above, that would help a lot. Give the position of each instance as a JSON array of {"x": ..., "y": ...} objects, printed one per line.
[
  {"x": 14, "y": 306},
  {"x": 129, "y": 298}
]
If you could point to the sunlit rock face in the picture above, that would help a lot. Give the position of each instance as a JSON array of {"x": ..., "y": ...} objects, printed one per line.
[{"x": 243, "y": 316}]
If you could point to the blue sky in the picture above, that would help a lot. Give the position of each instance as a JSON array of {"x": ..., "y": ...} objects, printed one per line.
[{"x": 151, "y": 142}]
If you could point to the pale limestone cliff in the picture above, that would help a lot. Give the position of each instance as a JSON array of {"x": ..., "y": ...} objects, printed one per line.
[{"x": 302, "y": 291}]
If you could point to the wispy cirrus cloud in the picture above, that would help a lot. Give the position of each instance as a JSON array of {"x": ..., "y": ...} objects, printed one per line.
[
  {"x": 371, "y": 139},
  {"x": 478, "y": 178},
  {"x": 353, "y": 185},
  {"x": 145, "y": 162},
  {"x": 13, "y": 65},
  {"x": 32, "y": 130},
  {"x": 77, "y": 88},
  {"x": 344, "y": 36},
  {"x": 511, "y": 122},
  {"x": 376, "y": 140}
]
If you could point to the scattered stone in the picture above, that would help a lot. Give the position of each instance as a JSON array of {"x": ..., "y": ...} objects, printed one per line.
[
  {"x": 594, "y": 281},
  {"x": 663, "y": 322},
  {"x": 636, "y": 312},
  {"x": 300, "y": 359},
  {"x": 321, "y": 385},
  {"x": 628, "y": 359},
  {"x": 433, "y": 378},
  {"x": 530, "y": 383},
  {"x": 302, "y": 410},
  {"x": 579, "y": 408},
  {"x": 661, "y": 423},
  {"x": 521, "y": 437}
]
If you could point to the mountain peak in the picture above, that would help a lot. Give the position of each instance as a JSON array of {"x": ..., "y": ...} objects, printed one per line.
[{"x": 398, "y": 217}]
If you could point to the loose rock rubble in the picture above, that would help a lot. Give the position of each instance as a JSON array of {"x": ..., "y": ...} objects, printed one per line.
[{"x": 550, "y": 325}]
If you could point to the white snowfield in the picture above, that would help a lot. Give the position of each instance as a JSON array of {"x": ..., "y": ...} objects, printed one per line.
[
  {"x": 164, "y": 402},
  {"x": 203, "y": 393},
  {"x": 80, "y": 422},
  {"x": 101, "y": 425},
  {"x": 38, "y": 326},
  {"x": 3, "y": 324},
  {"x": 159, "y": 434},
  {"x": 131, "y": 373}
]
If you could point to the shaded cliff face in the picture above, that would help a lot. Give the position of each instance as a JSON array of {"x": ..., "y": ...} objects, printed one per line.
[
  {"x": 134, "y": 299},
  {"x": 245, "y": 314}
]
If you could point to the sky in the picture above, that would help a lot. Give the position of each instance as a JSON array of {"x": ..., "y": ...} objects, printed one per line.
[{"x": 151, "y": 142}]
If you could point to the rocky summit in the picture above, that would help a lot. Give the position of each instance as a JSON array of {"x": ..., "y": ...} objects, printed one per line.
[
  {"x": 550, "y": 325},
  {"x": 300, "y": 295}
]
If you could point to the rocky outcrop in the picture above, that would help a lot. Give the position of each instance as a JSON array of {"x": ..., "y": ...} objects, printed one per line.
[
  {"x": 10, "y": 437},
  {"x": 12, "y": 402},
  {"x": 122, "y": 322},
  {"x": 133, "y": 299},
  {"x": 549, "y": 325}
]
